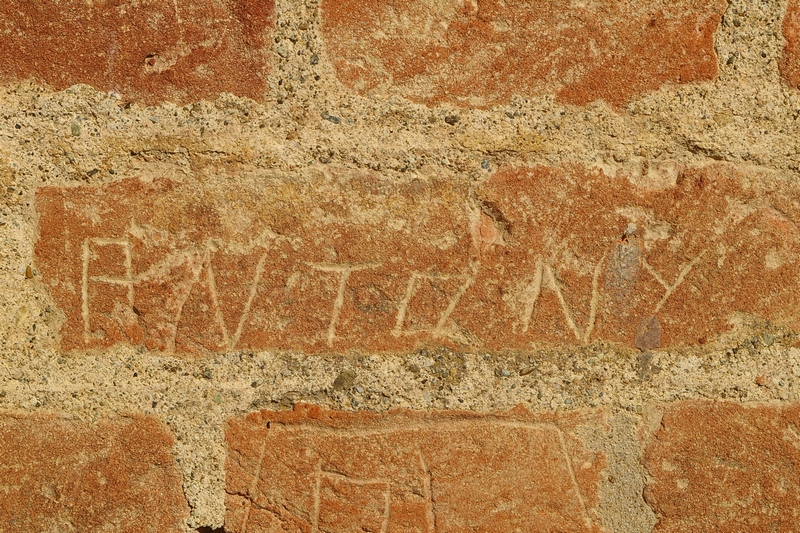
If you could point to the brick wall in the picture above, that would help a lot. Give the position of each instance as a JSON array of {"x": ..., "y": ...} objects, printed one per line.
[{"x": 382, "y": 266}]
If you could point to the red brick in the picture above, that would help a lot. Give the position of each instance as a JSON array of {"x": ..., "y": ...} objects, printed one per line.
[
  {"x": 403, "y": 471},
  {"x": 60, "y": 474},
  {"x": 149, "y": 51},
  {"x": 286, "y": 249},
  {"x": 724, "y": 467},
  {"x": 790, "y": 62},
  {"x": 482, "y": 53},
  {"x": 609, "y": 246},
  {"x": 553, "y": 256}
]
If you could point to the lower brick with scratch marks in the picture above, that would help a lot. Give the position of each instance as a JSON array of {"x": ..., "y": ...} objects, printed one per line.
[{"x": 334, "y": 472}]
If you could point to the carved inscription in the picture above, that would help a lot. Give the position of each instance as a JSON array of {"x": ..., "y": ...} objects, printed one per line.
[
  {"x": 587, "y": 256},
  {"x": 535, "y": 256},
  {"x": 332, "y": 472},
  {"x": 473, "y": 53}
]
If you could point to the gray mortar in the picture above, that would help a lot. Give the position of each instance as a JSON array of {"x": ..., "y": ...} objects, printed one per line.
[{"x": 746, "y": 116}]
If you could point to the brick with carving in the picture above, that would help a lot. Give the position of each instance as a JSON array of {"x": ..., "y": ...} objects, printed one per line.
[
  {"x": 483, "y": 53},
  {"x": 313, "y": 470},
  {"x": 357, "y": 261}
]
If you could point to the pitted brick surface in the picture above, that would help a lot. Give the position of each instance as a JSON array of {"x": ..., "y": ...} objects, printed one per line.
[
  {"x": 720, "y": 466},
  {"x": 588, "y": 256},
  {"x": 66, "y": 475},
  {"x": 482, "y": 53},
  {"x": 318, "y": 470},
  {"x": 315, "y": 265},
  {"x": 148, "y": 51}
]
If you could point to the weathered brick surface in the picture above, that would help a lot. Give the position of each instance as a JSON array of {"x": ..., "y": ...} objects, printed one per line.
[
  {"x": 317, "y": 470},
  {"x": 724, "y": 467},
  {"x": 588, "y": 256},
  {"x": 482, "y": 53},
  {"x": 790, "y": 62},
  {"x": 311, "y": 265},
  {"x": 546, "y": 255},
  {"x": 65, "y": 475},
  {"x": 149, "y": 51}
]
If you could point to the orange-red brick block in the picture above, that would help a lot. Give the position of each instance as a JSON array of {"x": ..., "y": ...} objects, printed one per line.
[
  {"x": 61, "y": 474},
  {"x": 148, "y": 51},
  {"x": 790, "y": 62},
  {"x": 720, "y": 466},
  {"x": 542, "y": 256},
  {"x": 474, "y": 53},
  {"x": 315, "y": 470}
]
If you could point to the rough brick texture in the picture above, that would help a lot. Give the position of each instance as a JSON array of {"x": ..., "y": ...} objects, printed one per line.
[
  {"x": 317, "y": 470},
  {"x": 483, "y": 53},
  {"x": 65, "y": 475},
  {"x": 587, "y": 256},
  {"x": 558, "y": 256},
  {"x": 790, "y": 62},
  {"x": 723, "y": 467},
  {"x": 312, "y": 265},
  {"x": 149, "y": 51},
  {"x": 395, "y": 210}
]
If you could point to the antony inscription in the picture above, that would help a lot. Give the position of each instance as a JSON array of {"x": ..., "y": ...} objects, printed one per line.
[{"x": 358, "y": 261}]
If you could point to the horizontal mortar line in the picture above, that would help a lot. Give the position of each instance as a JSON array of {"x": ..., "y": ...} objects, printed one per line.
[
  {"x": 144, "y": 389},
  {"x": 142, "y": 384}
]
